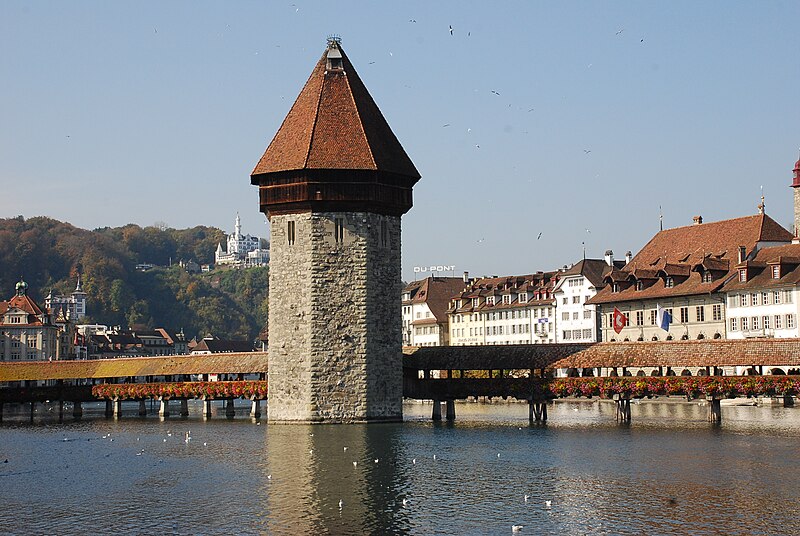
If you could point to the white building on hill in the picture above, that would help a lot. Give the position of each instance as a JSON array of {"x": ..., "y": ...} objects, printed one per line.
[{"x": 242, "y": 250}]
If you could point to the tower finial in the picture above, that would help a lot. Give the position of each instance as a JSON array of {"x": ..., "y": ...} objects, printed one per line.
[
  {"x": 762, "y": 206},
  {"x": 660, "y": 219}
]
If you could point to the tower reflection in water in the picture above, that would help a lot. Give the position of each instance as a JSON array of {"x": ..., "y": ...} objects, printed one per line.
[{"x": 309, "y": 469}]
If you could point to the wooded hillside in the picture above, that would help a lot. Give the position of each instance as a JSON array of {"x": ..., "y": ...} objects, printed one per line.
[{"x": 49, "y": 254}]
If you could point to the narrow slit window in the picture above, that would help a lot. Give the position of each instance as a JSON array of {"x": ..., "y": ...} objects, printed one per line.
[
  {"x": 339, "y": 230},
  {"x": 290, "y": 232}
]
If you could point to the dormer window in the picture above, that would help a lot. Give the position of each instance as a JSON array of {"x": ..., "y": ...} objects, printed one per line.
[
  {"x": 489, "y": 300},
  {"x": 507, "y": 299},
  {"x": 776, "y": 271},
  {"x": 476, "y": 302},
  {"x": 615, "y": 287},
  {"x": 707, "y": 276},
  {"x": 742, "y": 275},
  {"x": 523, "y": 297},
  {"x": 639, "y": 285},
  {"x": 669, "y": 282}
]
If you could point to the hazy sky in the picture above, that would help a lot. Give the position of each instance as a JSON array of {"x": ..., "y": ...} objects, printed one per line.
[{"x": 532, "y": 117}]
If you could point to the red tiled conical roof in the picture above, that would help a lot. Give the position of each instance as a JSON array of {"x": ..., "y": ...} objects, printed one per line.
[{"x": 334, "y": 124}]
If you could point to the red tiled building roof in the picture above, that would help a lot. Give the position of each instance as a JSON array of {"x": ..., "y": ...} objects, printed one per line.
[{"x": 684, "y": 254}]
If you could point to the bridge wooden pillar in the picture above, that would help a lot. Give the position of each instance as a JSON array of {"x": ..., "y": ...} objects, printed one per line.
[
  {"x": 33, "y": 409},
  {"x": 537, "y": 411},
  {"x": 184, "y": 407},
  {"x": 255, "y": 408},
  {"x": 715, "y": 411},
  {"x": 77, "y": 409},
  {"x": 450, "y": 410},
  {"x": 60, "y": 411},
  {"x": 163, "y": 411},
  {"x": 207, "y": 409},
  {"x": 109, "y": 409},
  {"x": 788, "y": 401},
  {"x": 142, "y": 408},
  {"x": 623, "y": 409},
  {"x": 117, "y": 408},
  {"x": 229, "y": 410},
  {"x": 437, "y": 410},
  {"x": 1, "y": 412}
]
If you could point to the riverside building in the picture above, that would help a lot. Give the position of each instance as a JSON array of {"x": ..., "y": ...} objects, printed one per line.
[
  {"x": 683, "y": 270},
  {"x": 576, "y": 319},
  {"x": 425, "y": 304},
  {"x": 505, "y": 310}
]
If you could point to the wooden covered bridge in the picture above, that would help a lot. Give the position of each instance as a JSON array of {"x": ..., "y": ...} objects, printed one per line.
[{"x": 713, "y": 369}]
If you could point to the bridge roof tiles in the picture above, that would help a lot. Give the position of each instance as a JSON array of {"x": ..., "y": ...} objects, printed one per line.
[
  {"x": 697, "y": 353},
  {"x": 245, "y": 363}
]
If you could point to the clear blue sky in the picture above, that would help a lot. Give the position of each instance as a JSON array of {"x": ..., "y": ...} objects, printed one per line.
[{"x": 142, "y": 112}]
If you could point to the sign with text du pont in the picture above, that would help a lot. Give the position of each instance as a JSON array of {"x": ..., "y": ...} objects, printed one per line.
[{"x": 436, "y": 268}]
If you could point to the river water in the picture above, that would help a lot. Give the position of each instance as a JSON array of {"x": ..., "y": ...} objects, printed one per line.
[{"x": 669, "y": 472}]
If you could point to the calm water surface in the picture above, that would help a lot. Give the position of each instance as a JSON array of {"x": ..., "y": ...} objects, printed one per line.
[{"x": 670, "y": 472}]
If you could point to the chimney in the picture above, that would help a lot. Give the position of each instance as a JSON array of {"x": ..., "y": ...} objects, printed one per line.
[
  {"x": 628, "y": 257},
  {"x": 610, "y": 258},
  {"x": 697, "y": 220},
  {"x": 466, "y": 277},
  {"x": 742, "y": 254}
]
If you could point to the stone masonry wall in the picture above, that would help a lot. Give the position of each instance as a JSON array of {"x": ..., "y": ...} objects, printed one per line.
[{"x": 335, "y": 318}]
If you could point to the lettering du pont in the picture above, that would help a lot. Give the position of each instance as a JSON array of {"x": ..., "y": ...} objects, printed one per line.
[{"x": 439, "y": 268}]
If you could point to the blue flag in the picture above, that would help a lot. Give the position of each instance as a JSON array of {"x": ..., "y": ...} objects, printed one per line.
[{"x": 663, "y": 318}]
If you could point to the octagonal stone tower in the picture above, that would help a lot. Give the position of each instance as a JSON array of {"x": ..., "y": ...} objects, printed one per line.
[{"x": 333, "y": 183}]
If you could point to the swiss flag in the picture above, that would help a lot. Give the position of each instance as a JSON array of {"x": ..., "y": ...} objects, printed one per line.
[{"x": 619, "y": 320}]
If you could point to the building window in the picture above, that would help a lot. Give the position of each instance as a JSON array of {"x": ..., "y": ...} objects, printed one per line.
[
  {"x": 788, "y": 297},
  {"x": 575, "y": 315},
  {"x": 700, "y": 311},
  {"x": 743, "y": 299},
  {"x": 778, "y": 322},
  {"x": 776, "y": 272},
  {"x": 733, "y": 324},
  {"x": 684, "y": 315},
  {"x": 733, "y": 300},
  {"x": 754, "y": 299},
  {"x": 789, "y": 321},
  {"x": 639, "y": 318},
  {"x": 669, "y": 282},
  {"x": 755, "y": 322},
  {"x": 765, "y": 322},
  {"x": 716, "y": 312},
  {"x": 564, "y": 300},
  {"x": 338, "y": 231},
  {"x": 587, "y": 333},
  {"x": 587, "y": 314},
  {"x": 576, "y": 299},
  {"x": 742, "y": 275},
  {"x": 744, "y": 323},
  {"x": 639, "y": 285},
  {"x": 615, "y": 287},
  {"x": 523, "y": 298},
  {"x": 567, "y": 334},
  {"x": 707, "y": 276},
  {"x": 565, "y": 316},
  {"x": 653, "y": 314},
  {"x": 507, "y": 299},
  {"x": 765, "y": 298},
  {"x": 290, "y": 236},
  {"x": 576, "y": 334},
  {"x": 32, "y": 343},
  {"x": 776, "y": 296}
]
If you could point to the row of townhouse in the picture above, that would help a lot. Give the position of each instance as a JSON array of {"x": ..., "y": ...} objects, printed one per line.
[
  {"x": 540, "y": 308},
  {"x": 736, "y": 278}
]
